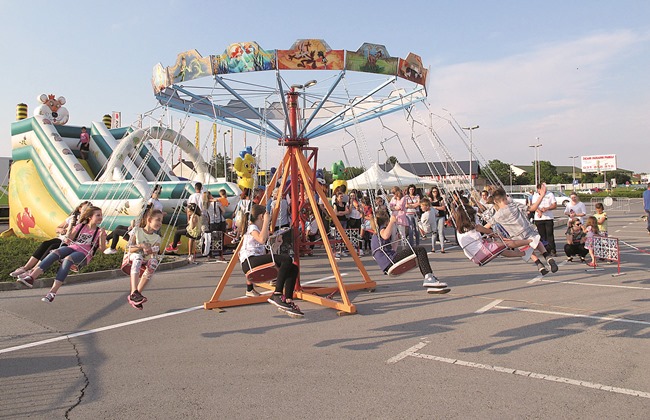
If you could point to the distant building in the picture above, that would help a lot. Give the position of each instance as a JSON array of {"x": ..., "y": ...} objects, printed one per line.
[{"x": 438, "y": 170}]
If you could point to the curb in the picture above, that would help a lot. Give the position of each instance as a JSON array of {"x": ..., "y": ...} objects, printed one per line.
[{"x": 84, "y": 277}]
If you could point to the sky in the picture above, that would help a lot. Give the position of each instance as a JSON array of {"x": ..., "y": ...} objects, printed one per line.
[{"x": 575, "y": 75}]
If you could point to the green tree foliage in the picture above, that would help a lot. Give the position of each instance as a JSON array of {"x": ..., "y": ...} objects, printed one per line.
[{"x": 500, "y": 169}]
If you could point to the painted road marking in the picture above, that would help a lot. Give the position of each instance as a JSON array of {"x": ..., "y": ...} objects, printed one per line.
[
  {"x": 572, "y": 315},
  {"x": 539, "y": 277},
  {"x": 489, "y": 306},
  {"x": 597, "y": 285},
  {"x": 120, "y": 325},
  {"x": 523, "y": 373}
]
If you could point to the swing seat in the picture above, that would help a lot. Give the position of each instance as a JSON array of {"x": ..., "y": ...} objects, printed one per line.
[
  {"x": 485, "y": 259},
  {"x": 403, "y": 265},
  {"x": 262, "y": 273}
]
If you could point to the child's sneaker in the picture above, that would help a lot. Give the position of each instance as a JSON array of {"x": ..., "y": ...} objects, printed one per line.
[
  {"x": 252, "y": 293},
  {"x": 570, "y": 259},
  {"x": 17, "y": 272},
  {"x": 582, "y": 259},
  {"x": 278, "y": 301},
  {"x": 136, "y": 297},
  {"x": 110, "y": 251},
  {"x": 294, "y": 310},
  {"x": 361, "y": 253},
  {"x": 543, "y": 271},
  {"x": 528, "y": 251},
  {"x": 431, "y": 281},
  {"x": 171, "y": 248},
  {"x": 26, "y": 279},
  {"x": 591, "y": 264},
  {"x": 552, "y": 264},
  {"x": 49, "y": 298}
]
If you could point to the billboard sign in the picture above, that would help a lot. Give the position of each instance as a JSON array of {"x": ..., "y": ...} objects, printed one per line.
[{"x": 598, "y": 163}]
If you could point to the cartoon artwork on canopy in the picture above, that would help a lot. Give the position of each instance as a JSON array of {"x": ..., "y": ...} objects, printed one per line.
[
  {"x": 243, "y": 57},
  {"x": 412, "y": 69},
  {"x": 189, "y": 65},
  {"x": 337, "y": 175},
  {"x": 311, "y": 54},
  {"x": 52, "y": 109},
  {"x": 160, "y": 78},
  {"x": 245, "y": 167},
  {"x": 371, "y": 58}
]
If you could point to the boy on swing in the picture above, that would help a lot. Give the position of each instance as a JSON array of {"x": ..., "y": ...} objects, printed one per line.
[{"x": 512, "y": 218}]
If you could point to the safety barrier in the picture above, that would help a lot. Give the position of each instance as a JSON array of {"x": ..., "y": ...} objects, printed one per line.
[
  {"x": 610, "y": 204},
  {"x": 607, "y": 248}
]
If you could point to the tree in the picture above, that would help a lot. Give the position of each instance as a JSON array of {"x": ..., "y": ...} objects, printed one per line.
[
  {"x": 501, "y": 171},
  {"x": 547, "y": 171}
]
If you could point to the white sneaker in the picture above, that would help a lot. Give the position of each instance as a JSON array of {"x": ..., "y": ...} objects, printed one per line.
[
  {"x": 252, "y": 293},
  {"x": 431, "y": 281},
  {"x": 528, "y": 251},
  {"x": 361, "y": 252},
  {"x": 110, "y": 251}
]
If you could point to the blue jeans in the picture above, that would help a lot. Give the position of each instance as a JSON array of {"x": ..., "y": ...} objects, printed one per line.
[
  {"x": 413, "y": 233},
  {"x": 67, "y": 256}
]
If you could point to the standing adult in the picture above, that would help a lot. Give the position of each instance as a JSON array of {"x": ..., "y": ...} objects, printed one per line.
[
  {"x": 197, "y": 197},
  {"x": 439, "y": 205},
  {"x": 544, "y": 219},
  {"x": 646, "y": 206},
  {"x": 575, "y": 208},
  {"x": 412, "y": 206}
]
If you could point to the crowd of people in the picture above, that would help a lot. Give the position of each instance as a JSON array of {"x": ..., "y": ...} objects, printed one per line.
[{"x": 389, "y": 227}]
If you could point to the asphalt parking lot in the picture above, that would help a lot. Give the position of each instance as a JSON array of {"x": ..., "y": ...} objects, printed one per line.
[{"x": 504, "y": 343}]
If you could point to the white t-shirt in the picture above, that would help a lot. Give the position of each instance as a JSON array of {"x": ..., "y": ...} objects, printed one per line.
[
  {"x": 155, "y": 204},
  {"x": 141, "y": 237},
  {"x": 577, "y": 208},
  {"x": 547, "y": 201},
  {"x": 197, "y": 199},
  {"x": 471, "y": 242},
  {"x": 428, "y": 221},
  {"x": 250, "y": 247}
]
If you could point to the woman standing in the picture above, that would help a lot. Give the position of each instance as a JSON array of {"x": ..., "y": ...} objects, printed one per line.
[
  {"x": 412, "y": 206},
  {"x": 438, "y": 203}
]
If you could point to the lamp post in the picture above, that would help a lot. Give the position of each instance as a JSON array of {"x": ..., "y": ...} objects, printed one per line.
[
  {"x": 225, "y": 174},
  {"x": 536, "y": 162},
  {"x": 573, "y": 164},
  {"x": 471, "y": 153}
]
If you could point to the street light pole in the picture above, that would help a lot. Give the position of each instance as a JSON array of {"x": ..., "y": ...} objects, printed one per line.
[
  {"x": 225, "y": 174},
  {"x": 471, "y": 153},
  {"x": 573, "y": 164},
  {"x": 536, "y": 162}
]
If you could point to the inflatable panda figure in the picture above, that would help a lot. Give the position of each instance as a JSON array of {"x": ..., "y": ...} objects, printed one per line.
[{"x": 52, "y": 109}]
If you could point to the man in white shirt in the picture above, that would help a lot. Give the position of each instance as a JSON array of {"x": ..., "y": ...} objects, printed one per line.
[
  {"x": 196, "y": 198},
  {"x": 544, "y": 219}
]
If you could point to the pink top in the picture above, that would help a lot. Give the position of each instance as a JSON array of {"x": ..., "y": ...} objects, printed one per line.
[
  {"x": 84, "y": 241},
  {"x": 84, "y": 138},
  {"x": 398, "y": 206}
]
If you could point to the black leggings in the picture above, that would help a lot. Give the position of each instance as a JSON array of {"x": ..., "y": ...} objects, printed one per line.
[
  {"x": 114, "y": 236},
  {"x": 420, "y": 254},
  {"x": 287, "y": 271},
  {"x": 45, "y": 247}
]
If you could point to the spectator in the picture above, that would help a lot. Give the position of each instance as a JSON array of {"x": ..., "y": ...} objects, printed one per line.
[
  {"x": 575, "y": 241},
  {"x": 575, "y": 208}
]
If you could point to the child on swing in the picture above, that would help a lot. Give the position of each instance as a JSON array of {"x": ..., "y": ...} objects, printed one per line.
[
  {"x": 477, "y": 248},
  {"x": 144, "y": 245},
  {"x": 386, "y": 257},
  {"x": 512, "y": 217},
  {"x": 86, "y": 238},
  {"x": 253, "y": 254}
]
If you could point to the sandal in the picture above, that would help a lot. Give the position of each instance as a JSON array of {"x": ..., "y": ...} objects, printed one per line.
[{"x": 17, "y": 272}]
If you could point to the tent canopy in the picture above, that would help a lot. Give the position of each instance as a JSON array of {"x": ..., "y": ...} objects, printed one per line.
[{"x": 375, "y": 178}]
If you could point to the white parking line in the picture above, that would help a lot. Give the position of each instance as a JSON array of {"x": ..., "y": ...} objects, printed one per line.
[
  {"x": 572, "y": 315},
  {"x": 597, "y": 285},
  {"x": 489, "y": 306},
  {"x": 125, "y": 324},
  {"x": 523, "y": 373}
]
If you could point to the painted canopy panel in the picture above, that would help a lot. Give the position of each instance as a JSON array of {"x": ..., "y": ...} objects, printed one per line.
[
  {"x": 371, "y": 58},
  {"x": 243, "y": 57},
  {"x": 412, "y": 69},
  {"x": 311, "y": 54},
  {"x": 189, "y": 65}
]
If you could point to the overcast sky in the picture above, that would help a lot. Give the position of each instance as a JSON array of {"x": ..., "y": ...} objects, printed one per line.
[{"x": 575, "y": 74}]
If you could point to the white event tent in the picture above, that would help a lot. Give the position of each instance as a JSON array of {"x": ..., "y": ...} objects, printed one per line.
[{"x": 375, "y": 178}]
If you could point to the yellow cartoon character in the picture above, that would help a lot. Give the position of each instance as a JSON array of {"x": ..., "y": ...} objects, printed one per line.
[{"x": 245, "y": 166}]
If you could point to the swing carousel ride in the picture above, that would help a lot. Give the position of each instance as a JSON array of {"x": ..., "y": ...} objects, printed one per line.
[{"x": 255, "y": 90}]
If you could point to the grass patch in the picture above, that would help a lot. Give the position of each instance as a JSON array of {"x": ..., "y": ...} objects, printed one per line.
[{"x": 14, "y": 252}]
